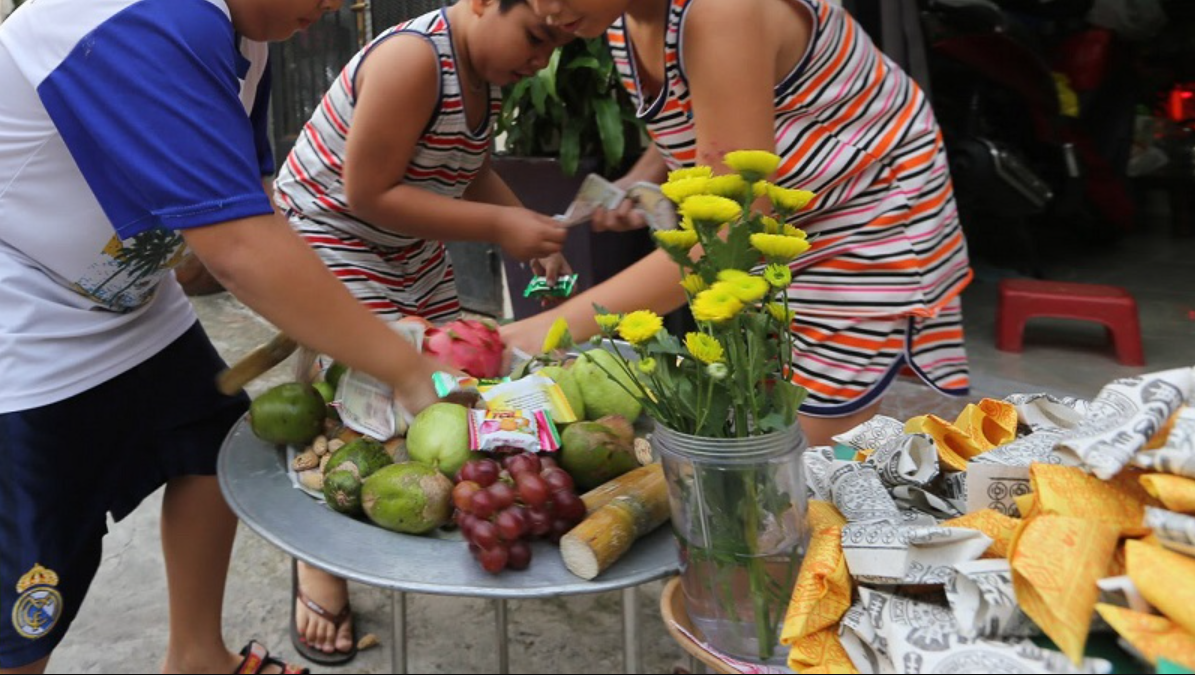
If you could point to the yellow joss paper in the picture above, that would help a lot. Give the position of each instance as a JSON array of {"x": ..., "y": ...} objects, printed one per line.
[
  {"x": 990, "y": 424},
  {"x": 1056, "y": 562},
  {"x": 1153, "y": 636},
  {"x": 819, "y": 653},
  {"x": 823, "y": 515},
  {"x": 1175, "y": 492},
  {"x": 997, "y": 526},
  {"x": 955, "y": 448},
  {"x": 1164, "y": 578},
  {"x": 1070, "y": 491},
  {"x": 819, "y": 600}
]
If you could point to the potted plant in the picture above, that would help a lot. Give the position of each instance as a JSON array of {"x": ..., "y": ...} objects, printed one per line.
[
  {"x": 571, "y": 119},
  {"x": 724, "y": 407}
]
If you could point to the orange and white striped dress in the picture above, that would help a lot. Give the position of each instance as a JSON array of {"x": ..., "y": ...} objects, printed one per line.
[
  {"x": 879, "y": 290},
  {"x": 393, "y": 274}
]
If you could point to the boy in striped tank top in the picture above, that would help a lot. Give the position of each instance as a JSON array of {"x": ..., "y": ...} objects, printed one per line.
[
  {"x": 376, "y": 189},
  {"x": 394, "y": 162},
  {"x": 880, "y": 288}
]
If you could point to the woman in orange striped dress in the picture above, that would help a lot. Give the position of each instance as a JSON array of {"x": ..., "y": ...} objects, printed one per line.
[{"x": 880, "y": 288}]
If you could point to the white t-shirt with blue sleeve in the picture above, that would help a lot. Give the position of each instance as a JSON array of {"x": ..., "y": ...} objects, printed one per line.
[{"x": 121, "y": 122}]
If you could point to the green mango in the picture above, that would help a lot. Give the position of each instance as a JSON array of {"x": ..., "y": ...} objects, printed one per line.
[{"x": 289, "y": 414}]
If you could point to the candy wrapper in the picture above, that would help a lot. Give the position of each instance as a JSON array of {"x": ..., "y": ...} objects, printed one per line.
[
  {"x": 534, "y": 392},
  {"x": 539, "y": 288},
  {"x": 512, "y": 431}
]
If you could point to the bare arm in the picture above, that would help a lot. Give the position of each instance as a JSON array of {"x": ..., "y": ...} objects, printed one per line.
[
  {"x": 397, "y": 94},
  {"x": 268, "y": 267},
  {"x": 650, "y": 168},
  {"x": 733, "y": 109}
]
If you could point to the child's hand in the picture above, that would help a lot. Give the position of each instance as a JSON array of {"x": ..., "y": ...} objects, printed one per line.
[
  {"x": 623, "y": 219},
  {"x": 527, "y": 235},
  {"x": 551, "y": 267}
]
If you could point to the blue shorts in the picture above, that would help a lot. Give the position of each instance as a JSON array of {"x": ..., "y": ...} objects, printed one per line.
[{"x": 66, "y": 466}]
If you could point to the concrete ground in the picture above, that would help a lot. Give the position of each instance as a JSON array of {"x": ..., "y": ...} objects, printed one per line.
[{"x": 122, "y": 627}]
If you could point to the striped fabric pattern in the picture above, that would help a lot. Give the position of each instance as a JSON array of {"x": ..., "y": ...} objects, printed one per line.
[
  {"x": 879, "y": 288},
  {"x": 391, "y": 272}
]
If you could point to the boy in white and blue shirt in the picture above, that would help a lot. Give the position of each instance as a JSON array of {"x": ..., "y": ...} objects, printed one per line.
[{"x": 130, "y": 131}]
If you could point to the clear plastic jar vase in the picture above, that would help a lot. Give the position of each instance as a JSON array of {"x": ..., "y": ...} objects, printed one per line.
[{"x": 738, "y": 512}]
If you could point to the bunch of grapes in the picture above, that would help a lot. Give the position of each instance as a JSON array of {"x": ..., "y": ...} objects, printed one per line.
[{"x": 500, "y": 508}]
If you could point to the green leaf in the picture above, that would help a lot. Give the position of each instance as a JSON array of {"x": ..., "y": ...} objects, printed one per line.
[
  {"x": 609, "y": 120},
  {"x": 539, "y": 95},
  {"x": 570, "y": 147},
  {"x": 588, "y": 62},
  {"x": 550, "y": 72}
]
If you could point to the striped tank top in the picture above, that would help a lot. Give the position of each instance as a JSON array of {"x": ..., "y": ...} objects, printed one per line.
[
  {"x": 855, "y": 129},
  {"x": 446, "y": 160}
]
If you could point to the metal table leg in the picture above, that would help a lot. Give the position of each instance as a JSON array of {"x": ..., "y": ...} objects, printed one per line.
[
  {"x": 398, "y": 648},
  {"x": 503, "y": 647},
  {"x": 630, "y": 630}
]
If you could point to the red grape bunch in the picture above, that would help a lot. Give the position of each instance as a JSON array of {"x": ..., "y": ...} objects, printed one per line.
[{"x": 500, "y": 510}]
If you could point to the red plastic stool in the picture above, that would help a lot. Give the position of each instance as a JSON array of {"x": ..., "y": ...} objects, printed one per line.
[{"x": 1023, "y": 299}]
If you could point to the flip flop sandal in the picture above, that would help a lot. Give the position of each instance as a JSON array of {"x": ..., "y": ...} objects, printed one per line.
[
  {"x": 305, "y": 650},
  {"x": 255, "y": 658}
]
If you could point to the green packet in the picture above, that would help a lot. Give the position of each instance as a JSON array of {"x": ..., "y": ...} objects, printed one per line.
[{"x": 539, "y": 287}]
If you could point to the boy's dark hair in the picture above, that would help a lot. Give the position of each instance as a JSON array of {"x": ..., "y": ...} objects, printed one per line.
[{"x": 505, "y": 6}]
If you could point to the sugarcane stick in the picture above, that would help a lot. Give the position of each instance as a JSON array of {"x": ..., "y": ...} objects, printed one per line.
[
  {"x": 627, "y": 482},
  {"x": 255, "y": 364},
  {"x": 608, "y": 533}
]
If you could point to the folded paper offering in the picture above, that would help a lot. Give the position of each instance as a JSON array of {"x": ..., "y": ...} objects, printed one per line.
[
  {"x": 1175, "y": 492},
  {"x": 1069, "y": 491},
  {"x": 886, "y": 633},
  {"x": 991, "y": 423},
  {"x": 997, "y": 526},
  {"x": 1056, "y": 562},
  {"x": 955, "y": 447},
  {"x": 821, "y": 515},
  {"x": 1163, "y": 577},
  {"x": 821, "y": 652},
  {"x": 820, "y": 598},
  {"x": 997, "y": 487},
  {"x": 1124, "y": 418},
  {"x": 1175, "y": 531},
  {"x": 1152, "y": 636},
  {"x": 872, "y": 434},
  {"x": 907, "y": 459},
  {"x": 881, "y": 553},
  {"x": 1046, "y": 412},
  {"x": 860, "y": 496},
  {"x": 984, "y": 604}
]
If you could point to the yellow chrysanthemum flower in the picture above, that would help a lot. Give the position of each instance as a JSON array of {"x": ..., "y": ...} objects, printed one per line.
[
  {"x": 555, "y": 335},
  {"x": 731, "y": 186},
  {"x": 794, "y": 231},
  {"x": 779, "y": 248},
  {"x": 771, "y": 225},
  {"x": 705, "y": 348},
  {"x": 718, "y": 371},
  {"x": 753, "y": 164},
  {"x": 781, "y": 312},
  {"x": 716, "y": 305},
  {"x": 686, "y": 223},
  {"x": 760, "y": 188},
  {"x": 747, "y": 288},
  {"x": 641, "y": 326},
  {"x": 779, "y": 276},
  {"x": 680, "y": 190},
  {"x": 676, "y": 240},
  {"x": 693, "y": 284},
  {"x": 711, "y": 209},
  {"x": 789, "y": 201},
  {"x": 608, "y": 322},
  {"x": 732, "y": 275},
  {"x": 691, "y": 172},
  {"x": 647, "y": 366}
]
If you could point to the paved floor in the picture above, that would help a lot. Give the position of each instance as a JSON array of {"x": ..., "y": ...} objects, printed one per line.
[{"x": 122, "y": 628}]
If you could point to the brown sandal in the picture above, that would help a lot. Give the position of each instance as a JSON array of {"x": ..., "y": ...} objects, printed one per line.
[
  {"x": 337, "y": 620},
  {"x": 255, "y": 657}
]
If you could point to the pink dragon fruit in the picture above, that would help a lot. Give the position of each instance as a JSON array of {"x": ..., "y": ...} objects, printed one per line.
[{"x": 472, "y": 346}]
